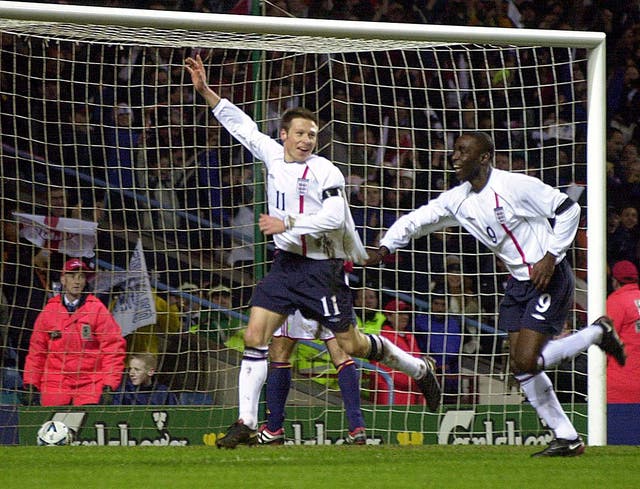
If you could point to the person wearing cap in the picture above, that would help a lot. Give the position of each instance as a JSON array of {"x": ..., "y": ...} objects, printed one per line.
[
  {"x": 189, "y": 309},
  {"x": 623, "y": 306},
  {"x": 397, "y": 329},
  {"x": 218, "y": 324},
  {"x": 77, "y": 352}
]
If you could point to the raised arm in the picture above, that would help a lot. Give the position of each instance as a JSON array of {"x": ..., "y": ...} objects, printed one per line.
[{"x": 195, "y": 67}]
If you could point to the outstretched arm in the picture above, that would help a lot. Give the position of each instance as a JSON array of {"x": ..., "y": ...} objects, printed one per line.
[{"x": 195, "y": 67}]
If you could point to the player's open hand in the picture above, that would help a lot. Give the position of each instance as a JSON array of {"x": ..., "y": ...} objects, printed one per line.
[
  {"x": 195, "y": 67},
  {"x": 271, "y": 225}
]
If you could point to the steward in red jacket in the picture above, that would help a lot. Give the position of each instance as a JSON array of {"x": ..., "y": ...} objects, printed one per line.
[
  {"x": 77, "y": 352},
  {"x": 623, "y": 307},
  {"x": 396, "y": 329}
]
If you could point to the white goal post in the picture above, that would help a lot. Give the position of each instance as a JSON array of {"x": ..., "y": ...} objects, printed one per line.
[{"x": 264, "y": 45}]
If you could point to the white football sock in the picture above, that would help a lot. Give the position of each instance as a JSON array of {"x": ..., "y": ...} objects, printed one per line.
[
  {"x": 398, "y": 359},
  {"x": 540, "y": 393},
  {"x": 253, "y": 373},
  {"x": 556, "y": 351}
]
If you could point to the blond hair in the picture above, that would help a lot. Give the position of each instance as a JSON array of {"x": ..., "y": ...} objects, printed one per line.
[{"x": 149, "y": 359}]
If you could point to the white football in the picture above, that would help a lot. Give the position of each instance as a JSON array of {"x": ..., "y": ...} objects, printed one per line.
[{"x": 54, "y": 433}]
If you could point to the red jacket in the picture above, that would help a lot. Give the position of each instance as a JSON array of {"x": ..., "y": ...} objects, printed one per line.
[
  {"x": 623, "y": 383},
  {"x": 83, "y": 348},
  {"x": 405, "y": 390}
]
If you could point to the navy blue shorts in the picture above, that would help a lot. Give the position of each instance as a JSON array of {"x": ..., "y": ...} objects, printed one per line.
[
  {"x": 546, "y": 311},
  {"x": 318, "y": 288}
]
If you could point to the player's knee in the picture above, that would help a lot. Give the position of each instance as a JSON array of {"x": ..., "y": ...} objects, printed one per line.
[
  {"x": 524, "y": 365},
  {"x": 253, "y": 340},
  {"x": 348, "y": 346}
]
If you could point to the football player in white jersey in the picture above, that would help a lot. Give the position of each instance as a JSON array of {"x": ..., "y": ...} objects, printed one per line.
[
  {"x": 296, "y": 328},
  {"x": 510, "y": 214},
  {"x": 314, "y": 234}
]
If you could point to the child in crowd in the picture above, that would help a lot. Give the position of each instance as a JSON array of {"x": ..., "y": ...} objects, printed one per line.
[{"x": 140, "y": 387}]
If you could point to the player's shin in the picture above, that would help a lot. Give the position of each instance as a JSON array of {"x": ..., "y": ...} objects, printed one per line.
[
  {"x": 385, "y": 351},
  {"x": 253, "y": 373},
  {"x": 349, "y": 383},
  {"x": 539, "y": 391},
  {"x": 278, "y": 385}
]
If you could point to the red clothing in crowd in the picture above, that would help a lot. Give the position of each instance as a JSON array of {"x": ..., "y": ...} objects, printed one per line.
[
  {"x": 623, "y": 383},
  {"x": 73, "y": 355},
  {"x": 405, "y": 390}
]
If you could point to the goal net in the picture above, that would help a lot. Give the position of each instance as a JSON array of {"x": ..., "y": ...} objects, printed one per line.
[{"x": 108, "y": 154}]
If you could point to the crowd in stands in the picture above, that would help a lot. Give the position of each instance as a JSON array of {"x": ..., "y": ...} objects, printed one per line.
[{"x": 149, "y": 160}]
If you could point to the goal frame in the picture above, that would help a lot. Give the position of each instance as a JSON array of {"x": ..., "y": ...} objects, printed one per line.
[{"x": 593, "y": 42}]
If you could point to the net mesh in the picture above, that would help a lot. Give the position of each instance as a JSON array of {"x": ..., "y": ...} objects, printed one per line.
[{"x": 101, "y": 123}]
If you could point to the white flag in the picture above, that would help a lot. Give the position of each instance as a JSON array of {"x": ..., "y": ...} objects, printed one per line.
[
  {"x": 135, "y": 306},
  {"x": 71, "y": 237}
]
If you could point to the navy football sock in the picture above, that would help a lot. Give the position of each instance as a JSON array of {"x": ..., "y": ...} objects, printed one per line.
[
  {"x": 278, "y": 385},
  {"x": 349, "y": 382}
]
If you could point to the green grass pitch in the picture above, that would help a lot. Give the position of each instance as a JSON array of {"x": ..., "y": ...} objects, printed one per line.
[{"x": 308, "y": 467}]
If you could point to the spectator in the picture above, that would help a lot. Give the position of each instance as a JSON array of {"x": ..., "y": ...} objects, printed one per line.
[
  {"x": 49, "y": 260},
  {"x": 363, "y": 151},
  {"x": 210, "y": 168},
  {"x": 464, "y": 301},
  {"x": 630, "y": 187},
  {"x": 623, "y": 306},
  {"x": 24, "y": 291},
  {"x": 615, "y": 144},
  {"x": 217, "y": 324},
  {"x": 153, "y": 338},
  {"x": 369, "y": 215},
  {"x": 439, "y": 334},
  {"x": 335, "y": 129},
  {"x": 189, "y": 309},
  {"x": 622, "y": 242},
  {"x": 122, "y": 140},
  {"x": 368, "y": 316},
  {"x": 161, "y": 183},
  {"x": 140, "y": 386},
  {"x": 81, "y": 149},
  {"x": 435, "y": 180},
  {"x": 397, "y": 330},
  {"x": 281, "y": 98},
  {"x": 187, "y": 360},
  {"x": 281, "y": 348},
  {"x": 76, "y": 354}
]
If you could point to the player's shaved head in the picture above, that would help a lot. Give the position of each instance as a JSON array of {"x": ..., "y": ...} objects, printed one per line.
[{"x": 484, "y": 141}]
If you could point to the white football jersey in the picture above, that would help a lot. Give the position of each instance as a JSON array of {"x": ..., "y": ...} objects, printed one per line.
[
  {"x": 323, "y": 225},
  {"x": 510, "y": 215}
]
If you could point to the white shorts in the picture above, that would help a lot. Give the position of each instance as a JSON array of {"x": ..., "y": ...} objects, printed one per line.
[{"x": 297, "y": 327}]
